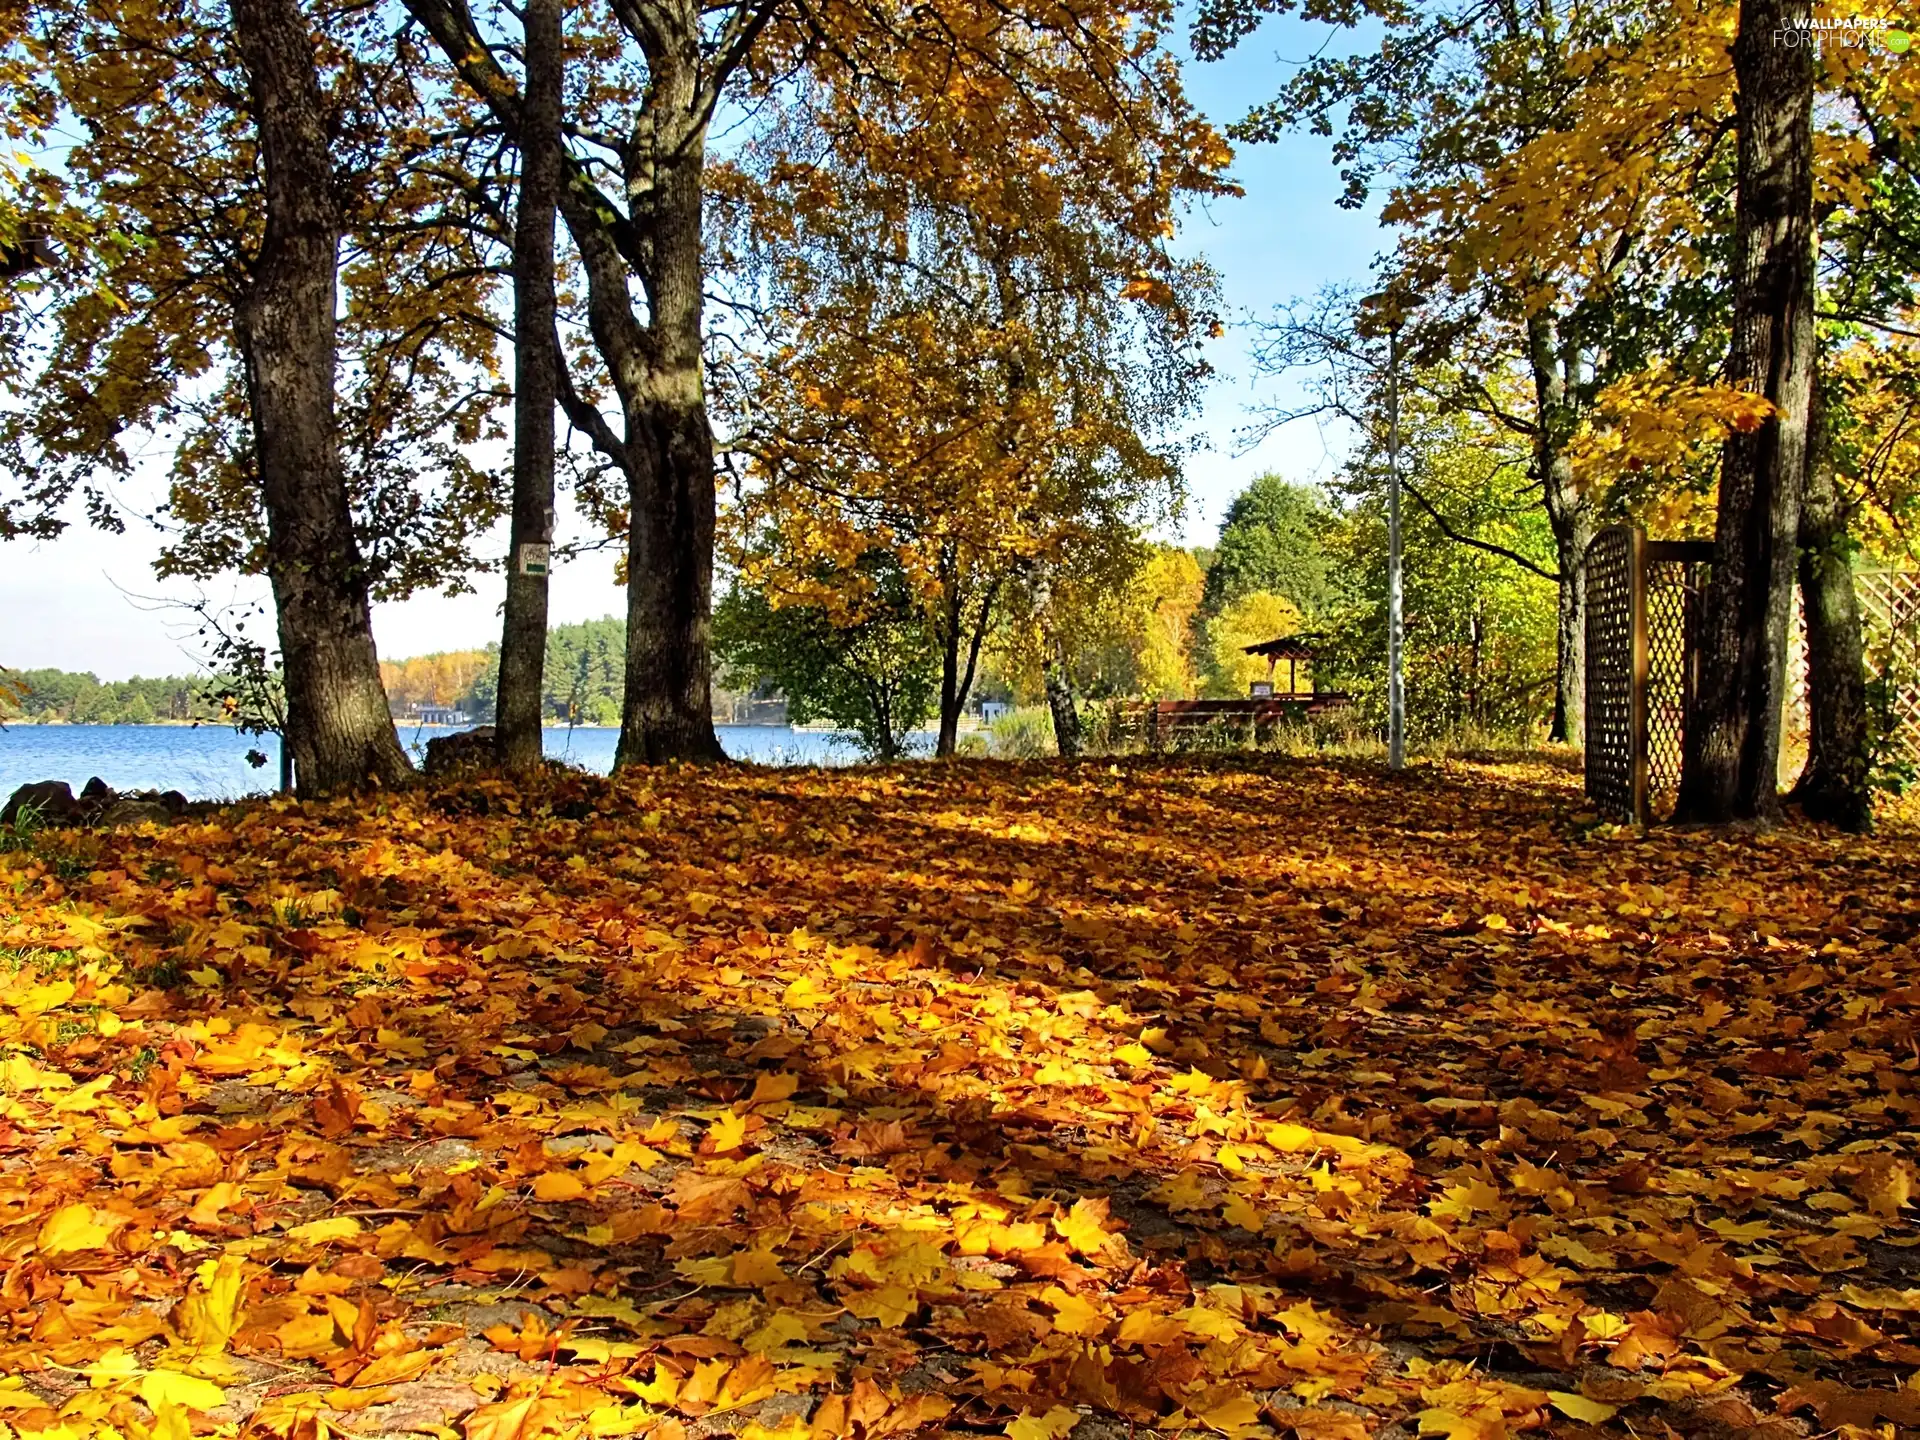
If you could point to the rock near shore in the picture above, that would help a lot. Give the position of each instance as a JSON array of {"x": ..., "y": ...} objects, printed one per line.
[{"x": 52, "y": 802}]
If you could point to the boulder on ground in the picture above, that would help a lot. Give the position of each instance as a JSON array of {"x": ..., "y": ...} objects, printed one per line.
[
  {"x": 50, "y": 800},
  {"x": 53, "y": 802},
  {"x": 468, "y": 750}
]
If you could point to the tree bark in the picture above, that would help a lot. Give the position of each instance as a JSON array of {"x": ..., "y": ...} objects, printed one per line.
[
  {"x": 948, "y": 739},
  {"x": 519, "y": 710},
  {"x": 1572, "y": 532},
  {"x": 1732, "y": 751},
  {"x": 1055, "y": 677},
  {"x": 1834, "y": 785},
  {"x": 338, "y": 726}
]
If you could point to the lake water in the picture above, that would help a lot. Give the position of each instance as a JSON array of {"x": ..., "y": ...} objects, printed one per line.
[{"x": 210, "y": 763}]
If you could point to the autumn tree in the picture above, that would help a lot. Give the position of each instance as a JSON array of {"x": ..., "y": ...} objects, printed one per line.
[
  {"x": 1080, "y": 103},
  {"x": 1082, "y": 626},
  {"x": 982, "y": 385},
  {"x": 1250, "y": 619},
  {"x": 1552, "y": 232},
  {"x": 338, "y": 726},
  {"x": 1733, "y": 717},
  {"x": 445, "y": 678},
  {"x": 1120, "y": 630},
  {"x": 207, "y": 310},
  {"x": 1861, "y": 474}
]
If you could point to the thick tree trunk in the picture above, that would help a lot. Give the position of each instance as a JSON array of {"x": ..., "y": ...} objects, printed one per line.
[
  {"x": 667, "y": 713},
  {"x": 1834, "y": 785},
  {"x": 520, "y": 711},
  {"x": 338, "y": 727},
  {"x": 1732, "y": 756}
]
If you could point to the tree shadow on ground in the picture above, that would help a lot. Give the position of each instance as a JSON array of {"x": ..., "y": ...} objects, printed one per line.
[{"x": 1359, "y": 1075}]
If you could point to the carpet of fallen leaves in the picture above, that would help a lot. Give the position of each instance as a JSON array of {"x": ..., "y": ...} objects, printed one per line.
[{"x": 1245, "y": 1098}]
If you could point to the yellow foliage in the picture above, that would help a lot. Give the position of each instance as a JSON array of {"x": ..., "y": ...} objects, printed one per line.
[{"x": 1253, "y": 618}]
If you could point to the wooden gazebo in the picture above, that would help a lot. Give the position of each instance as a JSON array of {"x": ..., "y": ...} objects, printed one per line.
[{"x": 1293, "y": 649}]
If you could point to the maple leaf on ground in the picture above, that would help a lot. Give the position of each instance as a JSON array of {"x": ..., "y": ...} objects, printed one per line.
[
  {"x": 674, "y": 1235},
  {"x": 1055, "y": 1424}
]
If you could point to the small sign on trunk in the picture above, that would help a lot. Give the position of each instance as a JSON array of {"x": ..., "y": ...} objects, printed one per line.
[{"x": 535, "y": 560}]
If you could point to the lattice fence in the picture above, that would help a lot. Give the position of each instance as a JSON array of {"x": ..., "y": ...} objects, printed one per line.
[
  {"x": 1674, "y": 587},
  {"x": 1642, "y": 614},
  {"x": 1890, "y": 617},
  {"x": 1612, "y": 726}
]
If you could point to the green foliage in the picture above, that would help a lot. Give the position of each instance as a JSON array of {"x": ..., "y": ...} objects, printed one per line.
[
  {"x": 585, "y": 673},
  {"x": 1274, "y": 539},
  {"x": 1890, "y": 767},
  {"x": 18, "y": 833},
  {"x": 1479, "y": 628},
  {"x": 877, "y": 676}
]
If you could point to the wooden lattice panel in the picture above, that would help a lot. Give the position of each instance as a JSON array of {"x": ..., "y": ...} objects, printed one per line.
[
  {"x": 1890, "y": 616},
  {"x": 1610, "y": 737},
  {"x": 1672, "y": 610}
]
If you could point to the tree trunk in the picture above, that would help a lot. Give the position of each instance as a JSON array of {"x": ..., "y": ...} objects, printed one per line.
[
  {"x": 1554, "y": 364},
  {"x": 666, "y": 453},
  {"x": 1055, "y": 677},
  {"x": 1732, "y": 753},
  {"x": 338, "y": 727},
  {"x": 1572, "y": 533},
  {"x": 951, "y": 697},
  {"x": 1834, "y": 785},
  {"x": 519, "y": 710},
  {"x": 667, "y": 711},
  {"x": 1066, "y": 715},
  {"x": 956, "y": 681}
]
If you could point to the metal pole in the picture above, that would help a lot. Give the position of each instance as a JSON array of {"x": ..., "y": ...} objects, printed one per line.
[{"x": 1396, "y": 680}]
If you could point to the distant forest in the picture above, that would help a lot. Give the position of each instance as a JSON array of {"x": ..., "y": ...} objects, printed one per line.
[
  {"x": 585, "y": 666},
  {"x": 64, "y": 697}
]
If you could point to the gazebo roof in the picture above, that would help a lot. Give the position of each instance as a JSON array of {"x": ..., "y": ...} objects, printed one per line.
[{"x": 1286, "y": 647}]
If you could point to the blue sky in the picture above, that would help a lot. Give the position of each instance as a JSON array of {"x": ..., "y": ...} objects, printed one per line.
[{"x": 72, "y": 603}]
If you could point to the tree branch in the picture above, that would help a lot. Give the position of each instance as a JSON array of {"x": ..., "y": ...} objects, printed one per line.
[{"x": 1486, "y": 545}]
